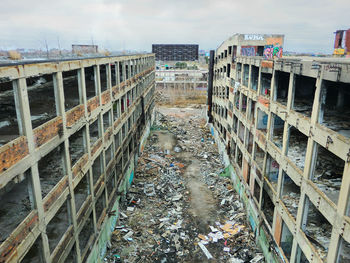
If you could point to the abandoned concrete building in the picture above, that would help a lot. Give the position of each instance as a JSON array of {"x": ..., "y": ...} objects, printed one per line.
[
  {"x": 71, "y": 132},
  {"x": 283, "y": 126}
]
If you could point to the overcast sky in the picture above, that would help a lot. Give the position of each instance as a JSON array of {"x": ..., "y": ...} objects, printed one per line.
[{"x": 308, "y": 25}]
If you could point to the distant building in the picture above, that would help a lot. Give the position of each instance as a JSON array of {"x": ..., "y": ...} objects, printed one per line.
[
  {"x": 342, "y": 43},
  {"x": 84, "y": 49},
  {"x": 175, "y": 52}
]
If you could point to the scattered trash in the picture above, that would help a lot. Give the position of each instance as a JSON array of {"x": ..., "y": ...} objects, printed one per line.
[{"x": 163, "y": 226}]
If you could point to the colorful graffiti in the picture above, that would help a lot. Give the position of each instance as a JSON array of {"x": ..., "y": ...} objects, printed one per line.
[
  {"x": 248, "y": 51},
  {"x": 272, "y": 51}
]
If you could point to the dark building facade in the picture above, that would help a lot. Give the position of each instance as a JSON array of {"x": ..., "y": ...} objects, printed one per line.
[{"x": 175, "y": 52}]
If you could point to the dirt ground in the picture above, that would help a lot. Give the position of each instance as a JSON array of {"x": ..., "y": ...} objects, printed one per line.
[{"x": 182, "y": 207}]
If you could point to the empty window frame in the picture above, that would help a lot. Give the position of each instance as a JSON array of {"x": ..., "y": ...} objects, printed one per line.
[
  {"x": 272, "y": 171},
  {"x": 16, "y": 203},
  {"x": 42, "y": 101},
  {"x": 277, "y": 126},
  {"x": 281, "y": 86},
  {"x": 100, "y": 205},
  {"x": 82, "y": 191},
  {"x": 244, "y": 104},
  {"x": 241, "y": 132},
  {"x": 259, "y": 156},
  {"x": 90, "y": 83},
  {"x": 51, "y": 169},
  {"x": 245, "y": 75},
  {"x": 86, "y": 235},
  {"x": 107, "y": 120},
  {"x": 262, "y": 121},
  {"x": 327, "y": 172},
  {"x": 304, "y": 94},
  {"x": 297, "y": 144},
  {"x": 77, "y": 145},
  {"x": 254, "y": 78},
  {"x": 290, "y": 194},
  {"x": 94, "y": 131},
  {"x": 286, "y": 241},
  {"x": 317, "y": 228},
  {"x": 58, "y": 226},
  {"x": 343, "y": 251},
  {"x": 71, "y": 89},
  {"x": 97, "y": 169},
  {"x": 267, "y": 207},
  {"x": 265, "y": 84},
  {"x": 104, "y": 77},
  {"x": 9, "y": 128},
  {"x": 335, "y": 109}
]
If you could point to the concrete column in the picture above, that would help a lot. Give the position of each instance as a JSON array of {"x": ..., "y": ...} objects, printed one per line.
[{"x": 22, "y": 105}]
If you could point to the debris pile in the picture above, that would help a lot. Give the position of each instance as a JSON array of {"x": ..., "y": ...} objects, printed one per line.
[{"x": 182, "y": 206}]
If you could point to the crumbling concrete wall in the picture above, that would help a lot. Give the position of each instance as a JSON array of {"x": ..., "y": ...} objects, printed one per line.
[
  {"x": 285, "y": 130},
  {"x": 58, "y": 149}
]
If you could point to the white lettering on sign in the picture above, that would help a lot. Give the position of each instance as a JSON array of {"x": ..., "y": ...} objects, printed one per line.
[{"x": 253, "y": 37}]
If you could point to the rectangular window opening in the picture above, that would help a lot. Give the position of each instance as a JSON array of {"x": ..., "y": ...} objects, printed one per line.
[
  {"x": 9, "y": 128},
  {"x": 262, "y": 121},
  {"x": 245, "y": 75},
  {"x": 282, "y": 86},
  {"x": 265, "y": 84},
  {"x": 90, "y": 85},
  {"x": 42, "y": 101},
  {"x": 71, "y": 89},
  {"x": 335, "y": 111},
  {"x": 277, "y": 130},
  {"x": 81, "y": 192},
  {"x": 16, "y": 203},
  {"x": 58, "y": 226},
  {"x": 259, "y": 156},
  {"x": 254, "y": 78},
  {"x": 304, "y": 94},
  {"x": 272, "y": 171},
  {"x": 290, "y": 194},
  {"x": 77, "y": 145},
  {"x": 297, "y": 143},
  {"x": 107, "y": 122},
  {"x": 104, "y": 77},
  {"x": 94, "y": 132},
  {"x": 328, "y": 172},
  {"x": 85, "y": 235},
  {"x": 286, "y": 241},
  {"x": 97, "y": 169},
  {"x": 317, "y": 229},
  {"x": 267, "y": 207},
  {"x": 51, "y": 169}
]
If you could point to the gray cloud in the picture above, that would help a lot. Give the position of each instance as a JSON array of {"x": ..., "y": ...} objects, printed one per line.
[{"x": 135, "y": 24}]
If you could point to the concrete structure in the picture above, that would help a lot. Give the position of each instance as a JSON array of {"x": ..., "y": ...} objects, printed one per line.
[
  {"x": 175, "y": 52},
  {"x": 182, "y": 79},
  {"x": 71, "y": 132},
  {"x": 84, "y": 49},
  {"x": 282, "y": 126},
  {"x": 342, "y": 43}
]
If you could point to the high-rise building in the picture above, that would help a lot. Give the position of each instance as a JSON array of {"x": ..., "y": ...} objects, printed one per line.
[{"x": 175, "y": 52}]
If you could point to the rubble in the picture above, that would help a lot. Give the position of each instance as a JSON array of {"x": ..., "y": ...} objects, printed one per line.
[{"x": 182, "y": 206}]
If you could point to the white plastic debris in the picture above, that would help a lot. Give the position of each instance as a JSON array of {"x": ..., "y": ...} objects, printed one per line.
[{"x": 205, "y": 251}]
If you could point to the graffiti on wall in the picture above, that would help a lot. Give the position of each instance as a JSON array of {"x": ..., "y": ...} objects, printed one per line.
[
  {"x": 253, "y": 37},
  {"x": 248, "y": 51},
  {"x": 272, "y": 51}
]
